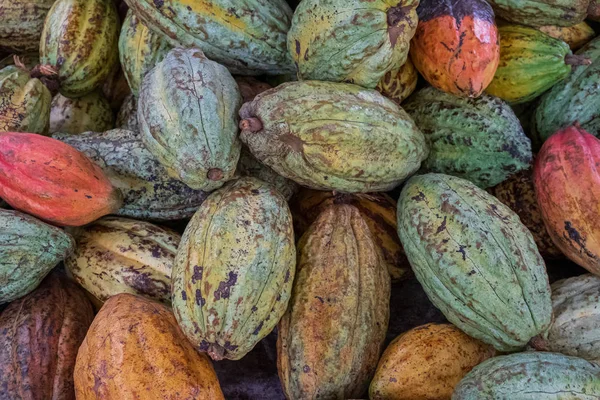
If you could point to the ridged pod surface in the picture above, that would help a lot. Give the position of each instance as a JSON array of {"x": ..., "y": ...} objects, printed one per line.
[
  {"x": 118, "y": 255},
  {"x": 53, "y": 181},
  {"x": 79, "y": 42},
  {"x": 148, "y": 191},
  {"x": 140, "y": 49},
  {"x": 24, "y": 102},
  {"x": 234, "y": 269},
  {"x": 333, "y": 331},
  {"x": 479, "y": 139},
  {"x": 91, "y": 112},
  {"x": 187, "y": 112},
  {"x": 30, "y": 249},
  {"x": 39, "y": 338},
  {"x": 567, "y": 186},
  {"x": 426, "y": 362},
  {"x": 456, "y": 45},
  {"x": 541, "y": 12},
  {"x": 377, "y": 209},
  {"x": 247, "y": 36},
  {"x": 355, "y": 41},
  {"x": 575, "y": 36},
  {"x": 127, "y": 116},
  {"x": 333, "y": 136},
  {"x": 135, "y": 350},
  {"x": 22, "y": 24},
  {"x": 399, "y": 83},
  {"x": 531, "y": 375},
  {"x": 475, "y": 259}
]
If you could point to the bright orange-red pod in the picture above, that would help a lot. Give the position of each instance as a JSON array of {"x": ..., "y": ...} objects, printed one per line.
[
  {"x": 567, "y": 186},
  {"x": 456, "y": 46},
  {"x": 53, "y": 181}
]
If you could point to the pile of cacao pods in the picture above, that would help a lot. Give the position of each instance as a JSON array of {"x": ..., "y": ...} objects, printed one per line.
[{"x": 316, "y": 199}]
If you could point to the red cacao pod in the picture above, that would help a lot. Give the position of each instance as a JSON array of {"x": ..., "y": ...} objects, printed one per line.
[
  {"x": 53, "y": 181},
  {"x": 567, "y": 186}
]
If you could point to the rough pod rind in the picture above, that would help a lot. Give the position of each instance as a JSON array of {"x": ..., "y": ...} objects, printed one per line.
[
  {"x": 475, "y": 259},
  {"x": 567, "y": 186},
  {"x": 540, "y": 13},
  {"x": 234, "y": 269},
  {"x": 575, "y": 36},
  {"x": 531, "y": 375},
  {"x": 479, "y": 139},
  {"x": 148, "y": 191},
  {"x": 118, "y": 255},
  {"x": 187, "y": 112},
  {"x": 22, "y": 24},
  {"x": 332, "y": 334},
  {"x": 399, "y": 83},
  {"x": 53, "y": 181},
  {"x": 333, "y": 136},
  {"x": 355, "y": 41},
  {"x": 127, "y": 116},
  {"x": 39, "y": 338},
  {"x": 80, "y": 43},
  {"x": 135, "y": 350},
  {"x": 30, "y": 249},
  {"x": 426, "y": 362},
  {"x": 247, "y": 36},
  {"x": 91, "y": 112}
]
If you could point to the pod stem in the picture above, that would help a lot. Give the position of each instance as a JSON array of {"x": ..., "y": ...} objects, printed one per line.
[
  {"x": 48, "y": 75},
  {"x": 251, "y": 124},
  {"x": 216, "y": 352},
  {"x": 573, "y": 59},
  {"x": 19, "y": 63},
  {"x": 539, "y": 343}
]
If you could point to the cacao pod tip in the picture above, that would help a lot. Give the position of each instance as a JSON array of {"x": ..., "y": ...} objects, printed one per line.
[
  {"x": 573, "y": 59},
  {"x": 216, "y": 352},
  {"x": 539, "y": 343},
  {"x": 215, "y": 174},
  {"x": 251, "y": 125}
]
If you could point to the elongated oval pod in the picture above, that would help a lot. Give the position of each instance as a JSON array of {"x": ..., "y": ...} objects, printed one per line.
[
  {"x": 540, "y": 13},
  {"x": 22, "y": 24}
]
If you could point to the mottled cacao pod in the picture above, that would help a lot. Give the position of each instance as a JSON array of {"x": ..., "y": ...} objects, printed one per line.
[
  {"x": 127, "y": 116},
  {"x": 250, "y": 87},
  {"x": 339, "y": 311},
  {"x": 399, "y": 83},
  {"x": 187, "y": 112},
  {"x": 135, "y": 350},
  {"x": 540, "y": 13},
  {"x": 22, "y": 24},
  {"x": 91, "y": 112},
  {"x": 39, "y": 338},
  {"x": 575, "y": 36}
]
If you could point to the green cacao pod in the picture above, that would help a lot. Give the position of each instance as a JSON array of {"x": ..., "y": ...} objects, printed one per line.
[
  {"x": 247, "y": 36},
  {"x": 140, "y": 49},
  {"x": 478, "y": 139},
  {"x": 338, "y": 315},
  {"x": 475, "y": 259},
  {"x": 575, "y": 99},
  {"x": 24, "y": 102},
  {"x": 333, "y": 136},
  {"x": 91, "y": 112},
  {"x": 357, "y": 45},
  {"x": 531, "y": 375},
  {"x": 234, "y": 269},
  {"x": 540, "y": 13},
  {"x": 79, "y": 44},
  {"x": 127, "y": 116},
  {"x": 22, "y": 23},
  {"x": 148, "y": 191},
  {"x": 30, "y": 249},
  {"x": 118, "y": 255},
  {"x": 187, "y": 112}
]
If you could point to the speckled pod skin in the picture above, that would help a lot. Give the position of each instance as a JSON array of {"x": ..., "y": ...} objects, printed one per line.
[
  {"x": 148, "y": 191},
  {"x": 247, "y": 36},
  {"x": 135, "y": 350},
  {"x": 575, "y": 99},
  {"x": 333, "y": 331},
  {"x": 80, "y": 42},
  {"x": 426, "y": 362},
  {"x": 118, "y": 255},
  {"x": 456, "y": 45},
  {"x": 24, "y": 102},
  {"x": 540, "y": 13},
  {"x": 22, "y": 24},
  {"x": 567, "y": 186},
  {"x": 30, "y": 249},
  {"x": 355, "y": 41},
  {"x": 531, "y": 375},
  {"x": 91, "y": 112},
  {"x": 333, "y": 136},
  {"x": 234, "y": 269},
  {"x": 480, "y": 139},
  {"x": 127, "y": 116},
  {"x": 140, "y": 49},
  {"x": 531, "y": 62},
  {"x": 475, "y": 259},
  {"x": 575, "y": 36},
  {"x": 39, "y": 338},
  {"x": 398, "y": 84},
  {"x": 187, "y": 112}
]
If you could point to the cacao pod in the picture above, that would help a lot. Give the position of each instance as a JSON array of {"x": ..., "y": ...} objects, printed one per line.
[
  {"x": 332, "y": 334},
  {"x": 475, "y": 259},
  {"x": 22, "y": 24},
  {"x": 135, "y": 350},
  {"x": 399, "y": 83},
  {"x": 53, "y": 181},
  {"x": 187, "y": 112},
  {"x": 333, "y": 136},
  {"x": 127, "y": 116},
  {"x": 575, "y": 36},
  {"x": 540, "y": 13},
  {"x": 91, "y": 112}
]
